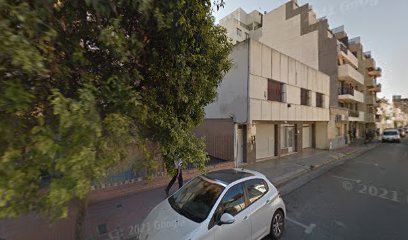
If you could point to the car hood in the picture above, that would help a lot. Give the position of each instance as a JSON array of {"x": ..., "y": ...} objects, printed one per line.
[{"x": 165, "y": 223}]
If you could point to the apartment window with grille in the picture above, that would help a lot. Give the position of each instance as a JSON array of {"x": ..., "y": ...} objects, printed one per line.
[
  {"x": 304, "y": 97},
  {"x": 275, "y": 91},
  {"x": 319, "y": 100},
  {"x": 239, "y": 32}
]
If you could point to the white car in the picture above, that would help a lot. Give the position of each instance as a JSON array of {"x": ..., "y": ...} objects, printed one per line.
[
  {"x": 391, "y": 135},
  {"x": 233, "y": 204}
]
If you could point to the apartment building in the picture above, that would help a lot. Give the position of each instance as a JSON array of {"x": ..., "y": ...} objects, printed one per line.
[
  {"x": 367, "y": 66},
  {"x": 240, "y": 24},
  {"x": 373, "y": 87},
  {"x": 296, "y": 31},
  {"x": 351, "y": 84},
  {"x": 384, "y": 115},
  {"x": 389, "y": 115},
  {"x": 268, "y": 105},
  {"x": 400, "y": 102}
]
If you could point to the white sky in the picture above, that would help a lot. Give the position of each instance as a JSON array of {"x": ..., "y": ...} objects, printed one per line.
[{"x": 381, "y": 24}]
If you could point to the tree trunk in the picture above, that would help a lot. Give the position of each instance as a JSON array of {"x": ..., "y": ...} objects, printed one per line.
[{"x": 80, "y": 219}]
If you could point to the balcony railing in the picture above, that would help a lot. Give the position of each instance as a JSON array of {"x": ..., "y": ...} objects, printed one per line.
[
  {"x": 371, "y": 100},
  {"x": 375, "y": 73},
  {"x": 350, "y": 74},
  {"x": 343, "y": 48},
  {"x": 371, "y": 82},
  {"x": 354, "y": 114},
  {"x": 376, "y": 88},
  {"x": 346, "y": 91}
]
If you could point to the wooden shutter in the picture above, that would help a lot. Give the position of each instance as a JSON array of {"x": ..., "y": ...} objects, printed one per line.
[{"x": 274, "y": 91}]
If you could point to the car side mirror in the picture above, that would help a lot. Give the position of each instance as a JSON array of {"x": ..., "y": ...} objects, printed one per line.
[{"x": 227, "y": 218}]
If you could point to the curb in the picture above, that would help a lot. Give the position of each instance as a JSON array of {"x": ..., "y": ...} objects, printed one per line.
[
  {"x": 135, "y": 187},
  {"x": 344, "y": 158},
  {"x": 289, "y": 178}
]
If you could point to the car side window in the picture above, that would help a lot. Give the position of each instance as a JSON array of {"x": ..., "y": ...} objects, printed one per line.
[
  {"x": 255, "y": 189},
  {"x": 233, "y": 201}
]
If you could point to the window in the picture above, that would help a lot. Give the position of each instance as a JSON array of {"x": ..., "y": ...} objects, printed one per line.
[
  {"x": 255, "y": 189},
  {"x": 239, "y": 32},
  {"x": 287, "y": 136},
  {"x": 196, "y": 199},
  {"x": 319, "y": 100},
  {"x": 275, "y": 91},
  {"x": 233, "y": 202},
  {"x": 304, "y": 97},
  {"x": 246, "y": 35}
]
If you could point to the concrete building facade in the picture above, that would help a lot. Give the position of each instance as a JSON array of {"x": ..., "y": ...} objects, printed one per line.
[
  {"x": 400, "y": 102},
  {"x": 389, "y": 115},
  {"x": 272, "y": 104},
  {"x": 296, "y": 31}
]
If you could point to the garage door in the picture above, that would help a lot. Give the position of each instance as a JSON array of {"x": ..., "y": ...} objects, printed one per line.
[
  {"x": 307, "y": 136},
  {"x": 265, "y": 140}
]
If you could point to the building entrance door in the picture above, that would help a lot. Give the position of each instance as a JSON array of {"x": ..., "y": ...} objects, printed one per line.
[
  {"x": 240, "y": 146},
  {"x": 290, "y": 139}
]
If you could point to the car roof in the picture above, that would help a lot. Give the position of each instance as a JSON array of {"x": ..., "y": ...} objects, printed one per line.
[{"x": 228, "y": 176}]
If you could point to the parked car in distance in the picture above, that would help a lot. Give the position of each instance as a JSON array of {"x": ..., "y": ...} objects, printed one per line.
[
  {"x": 406, "y": 129},
  {"x": 391, "y": 135},
  {"x": 402, "y": 132},
  {"x": 226, "y": 204}
]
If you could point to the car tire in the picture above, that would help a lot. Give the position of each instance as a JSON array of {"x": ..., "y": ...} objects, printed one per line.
[
  {"x": 399, "y": 141},
  {"x": 277, "y": 225}
]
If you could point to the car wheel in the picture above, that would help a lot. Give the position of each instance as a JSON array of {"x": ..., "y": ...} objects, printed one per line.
[{"x": 277, "y": 225}]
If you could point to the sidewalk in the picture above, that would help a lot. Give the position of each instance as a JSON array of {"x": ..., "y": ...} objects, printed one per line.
[
  {"x": 120, "y": 218},
  {"x": 282, "y": 170}
]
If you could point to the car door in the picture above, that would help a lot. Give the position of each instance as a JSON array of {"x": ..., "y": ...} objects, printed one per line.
[
  {"x": 235, "y": 204},
  {"x": 260, "y": 199}
]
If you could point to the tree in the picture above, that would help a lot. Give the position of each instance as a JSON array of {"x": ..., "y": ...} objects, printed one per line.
[{"x": 81, "y": 80}]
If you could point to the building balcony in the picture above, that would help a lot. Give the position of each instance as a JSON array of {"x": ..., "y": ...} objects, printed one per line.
[
  {"x": 375, "y": 73},
  {"x": 356, "y": 116},
  {"x": 370, "y": 63},
  {"x": 376, "y": 88},
  {"x": 350, "y": 75},
  {"x": 370, "y": 82},
  {"x": 371, "y": 100},
  {"x": 347, "y": 94},
  {"x": 346, "y": 55},
  {"x": 370, "y": 118}
]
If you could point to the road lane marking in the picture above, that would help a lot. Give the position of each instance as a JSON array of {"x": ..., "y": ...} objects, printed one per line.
[
  {"x": 308, "y": 229},
  {"x": 368, "y": 163},
  {"x": 348, "y": 179},
  {"x": 340, "y": 223}
]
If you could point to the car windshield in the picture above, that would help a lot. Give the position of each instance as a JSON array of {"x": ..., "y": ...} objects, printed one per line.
[
  {"x": 390, "y": 133},
  {"x": 196, "y": 199}
]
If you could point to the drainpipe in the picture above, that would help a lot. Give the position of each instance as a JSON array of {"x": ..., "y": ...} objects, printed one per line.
[
  {"x": 248, "y": 84},
  {"x": 249, "y": 99}
]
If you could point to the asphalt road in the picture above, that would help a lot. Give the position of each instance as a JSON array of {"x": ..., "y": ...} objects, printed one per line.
[{"x": 364, "y": 198}]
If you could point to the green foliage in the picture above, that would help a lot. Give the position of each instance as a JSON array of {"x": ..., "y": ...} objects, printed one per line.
[{"x": 82, "y": 80}]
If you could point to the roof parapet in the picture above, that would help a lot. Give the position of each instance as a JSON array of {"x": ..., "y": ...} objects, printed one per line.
[
  {"x": 356, "y": 40},
  {"x": 367, "y": 54},
  {"x": 338, "y": 29}
]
